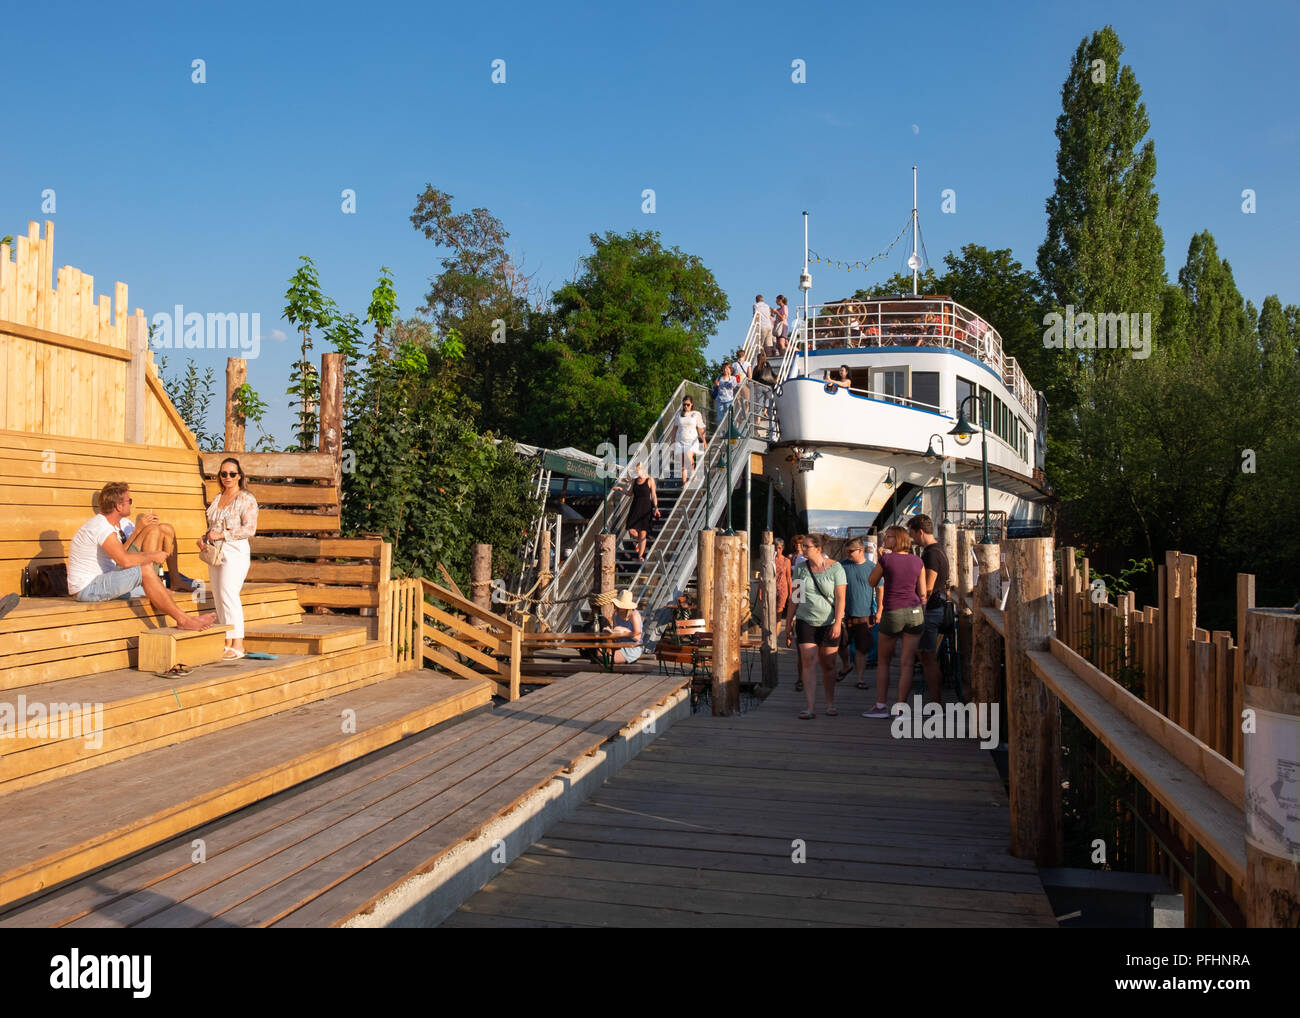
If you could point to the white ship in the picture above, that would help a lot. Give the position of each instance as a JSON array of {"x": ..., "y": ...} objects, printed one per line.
[{"x": 871, "y": 392}]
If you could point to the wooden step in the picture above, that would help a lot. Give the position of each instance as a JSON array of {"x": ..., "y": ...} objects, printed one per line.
[
  {"x": 164, "y": 648},
  {"x": 45, "y": 639},
  {"x": 311, "y": 636},
  {"x": 118, "y": 715},
  {"x": 73, "y": 825}
]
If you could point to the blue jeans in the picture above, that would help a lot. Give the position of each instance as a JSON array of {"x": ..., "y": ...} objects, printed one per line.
[
  {"x": 114, "y": 584},
  {"x": 722, "y": 410}
]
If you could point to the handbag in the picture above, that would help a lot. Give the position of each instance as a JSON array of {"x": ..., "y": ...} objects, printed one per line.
[{"x": 213, "y": 553}]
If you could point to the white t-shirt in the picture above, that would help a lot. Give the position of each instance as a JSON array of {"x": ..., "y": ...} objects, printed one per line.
[
  {"x": 688, "y": 428},
  {"x": 86, "y": 556}
]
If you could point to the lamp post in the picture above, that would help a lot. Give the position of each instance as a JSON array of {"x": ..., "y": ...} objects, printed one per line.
[
  {"x": 962, "y": 433},
  {"x": 931, "y": 456},
  {"x": 604, "y": 505}
]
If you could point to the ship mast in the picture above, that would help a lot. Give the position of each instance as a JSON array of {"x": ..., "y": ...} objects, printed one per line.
[{"x": 914, "y": 262}]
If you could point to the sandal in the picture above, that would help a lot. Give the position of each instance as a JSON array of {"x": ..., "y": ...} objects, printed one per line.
[
  {"x": 805, "y": 715},
  {"x": 230, "y": 654},
  {"x": 175, "y": 672},
  {"x": 863, "y": 685},
  {"x": 798, "y": 685},
  {"x": 831, "y": 712}
]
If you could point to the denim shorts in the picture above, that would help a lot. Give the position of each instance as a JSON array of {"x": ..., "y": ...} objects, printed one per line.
[
  {"x": 930, "y": 638},
  {"x": 114, "y": 584}
]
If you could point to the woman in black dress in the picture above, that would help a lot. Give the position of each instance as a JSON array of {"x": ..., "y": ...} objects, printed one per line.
[{"x": 645, "y": 507}]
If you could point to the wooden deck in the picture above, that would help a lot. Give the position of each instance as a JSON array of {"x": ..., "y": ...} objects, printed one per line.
[
  {"x": 701, "y": 829},
  {"x": 329, "y": 849}
]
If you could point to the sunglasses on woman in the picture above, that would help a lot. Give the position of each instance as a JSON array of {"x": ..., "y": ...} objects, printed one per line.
[{"x": 228, "y": 473}]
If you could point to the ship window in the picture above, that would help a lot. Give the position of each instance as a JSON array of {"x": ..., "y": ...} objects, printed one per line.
[
  {"x": 925, "y": 388},
  {"x": 859, "y": 379},
  {"x": 964, "y": 389},
  {"x": 891, "y": 383}
]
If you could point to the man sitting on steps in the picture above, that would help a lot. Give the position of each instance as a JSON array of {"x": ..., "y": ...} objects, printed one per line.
[{"x": 101, "y": 569}]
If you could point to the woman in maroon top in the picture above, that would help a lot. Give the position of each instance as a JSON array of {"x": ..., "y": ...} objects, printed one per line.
[{"x": 905, "y": 593}]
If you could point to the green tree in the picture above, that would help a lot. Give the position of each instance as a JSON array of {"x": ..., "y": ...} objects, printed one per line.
[
  {"x": 306, "y": 308},
  {"x": 1216, "y": 311},
  {"x": 1104, "y": 251},
  {"x": 191, "y": 395},
  {"x": 626, "y": 332}
]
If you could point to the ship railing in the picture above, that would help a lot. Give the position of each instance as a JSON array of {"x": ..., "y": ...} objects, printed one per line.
[{"x": 863, "y": 324}]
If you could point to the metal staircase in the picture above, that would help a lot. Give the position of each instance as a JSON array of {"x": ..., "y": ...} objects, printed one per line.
[{"x": 672, "y": 547}]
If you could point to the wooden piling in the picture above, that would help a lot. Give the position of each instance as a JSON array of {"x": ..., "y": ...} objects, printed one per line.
[
  {"x": 962, "y": 571},
  {"x": 704, "y": 576},
  {"x": 986, "y": 644},
  {"x": 480, "y": 576},
  {"x": 1034, "y": 721},
  {"x": 604, "y": 579},
  {"x": 726, "y": 624},
  {"x": 947, "y": 537},
  {"x": 767, "y": 617},
  {"x": 236, "y": 376},
  {"x": 1272, "y": 692},
  {"x": 543, "y": 561},
  {"x": 331, "y": 412}
]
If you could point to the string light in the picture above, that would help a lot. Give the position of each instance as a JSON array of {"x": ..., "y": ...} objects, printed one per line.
[{"x": 847, "y": 266}]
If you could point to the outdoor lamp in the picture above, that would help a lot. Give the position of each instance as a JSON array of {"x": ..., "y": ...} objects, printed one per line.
[
  {"x": 933, "y": 456},
  {"x": 964, "y": 429},
  {"x": 962, "y": 433}
]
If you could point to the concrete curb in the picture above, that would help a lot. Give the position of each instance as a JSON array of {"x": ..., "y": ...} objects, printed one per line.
[{"x": 427, "y": 899}]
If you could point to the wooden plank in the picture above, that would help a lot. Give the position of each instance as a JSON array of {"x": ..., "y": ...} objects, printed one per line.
[
  {"x": 1245, "y": 602},
  {"x": 1217, "y": 823},
  {"x": 281, "y": 494},
  {"x": 436, "y": 593},
  {"x": 286, "y": 520},
  {"x": 317, "y": 547},
  {"x": 1219, "y": 773},
  {"x": 338, "y": 597},
  {"x": 468, "y": 632},
  {"x": 48, "y": 338},
  {"x": 359, "y": 574},
  {"x": 459, "y": 647},
  {"x": 1221, "y": 724},
  {"x": 275, "y": 465}
]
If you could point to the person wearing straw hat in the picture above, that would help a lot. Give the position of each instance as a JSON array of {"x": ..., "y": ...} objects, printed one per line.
[{"x": 626, "y": 627}]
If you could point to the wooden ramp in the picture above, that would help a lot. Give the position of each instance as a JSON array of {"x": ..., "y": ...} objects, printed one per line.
[
  {"x": 703, "y": 827},
  {"x": 328, "y": 850}
]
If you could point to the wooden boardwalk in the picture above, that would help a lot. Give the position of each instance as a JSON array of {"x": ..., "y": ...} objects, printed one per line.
[
  {"x": 328, "y": 849},
  {"x": 704, "y": 828}
]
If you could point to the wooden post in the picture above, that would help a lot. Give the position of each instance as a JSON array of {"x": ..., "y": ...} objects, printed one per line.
[
  {"x": 137, "y": 342},
  {"x": 704, "y": 576},
  {"x": 726, "y": 625},
  {"x": 1034, "y": 722},
  {"x": 331, "y": 413},
  {"x": 948, "y": 541},
  {"x": 1272, "y": 692},
  {"x": 767, "y": 578},
  {"x": 965, "y": 542},
  {"x": 543, "y": 562},
  {"x": 1245, "y": 602},
  {"x": 236, "y": 375},
  {"x": 604, "y": 579},
  {"x": 986, "y": 645},
  {"x": 480, "y": 577}
]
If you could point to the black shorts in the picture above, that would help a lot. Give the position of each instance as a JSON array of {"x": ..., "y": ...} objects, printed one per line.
[
  {"x": 805, "y": 632},
  {"x": 859, "y": 636}
]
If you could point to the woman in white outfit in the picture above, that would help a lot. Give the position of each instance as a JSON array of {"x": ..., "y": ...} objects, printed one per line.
[
  {"x": 232, "y": 520},
  {"x": 688, "y": 437}
]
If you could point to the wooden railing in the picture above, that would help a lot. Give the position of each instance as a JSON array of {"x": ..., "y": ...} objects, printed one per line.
[
  {"x": 457, "y": 636},
  {"x": 1174, "y": 734}
]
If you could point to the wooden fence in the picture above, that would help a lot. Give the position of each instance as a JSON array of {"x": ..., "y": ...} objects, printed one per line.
[
  {"x": 455, "y": 635},
  {"x": 72, "y": 364},
  {"x": 1174, "y": 723}
]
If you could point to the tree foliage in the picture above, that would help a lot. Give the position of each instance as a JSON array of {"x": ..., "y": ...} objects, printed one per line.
[{"x": 191, "y": 395}]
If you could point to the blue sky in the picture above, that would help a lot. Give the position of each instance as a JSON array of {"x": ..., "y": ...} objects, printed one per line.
[{"x": 206, "y": 194}]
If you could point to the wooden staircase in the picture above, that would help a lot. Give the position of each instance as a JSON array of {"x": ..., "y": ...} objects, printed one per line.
[{"x": 125, "y": 759}]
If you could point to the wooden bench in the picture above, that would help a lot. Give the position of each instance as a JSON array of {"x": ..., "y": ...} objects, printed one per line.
[{"x": 161, "y": 650}]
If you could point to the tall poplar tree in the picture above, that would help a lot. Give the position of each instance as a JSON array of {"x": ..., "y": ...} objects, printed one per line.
[{"x": 1104, "y": 252}]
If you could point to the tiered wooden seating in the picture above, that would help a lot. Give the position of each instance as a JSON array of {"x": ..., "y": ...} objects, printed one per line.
[
  {"x": 49, "y": 487},
  {"x": 174, "y": 734},
  {"x": 568, "y": 654}
]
